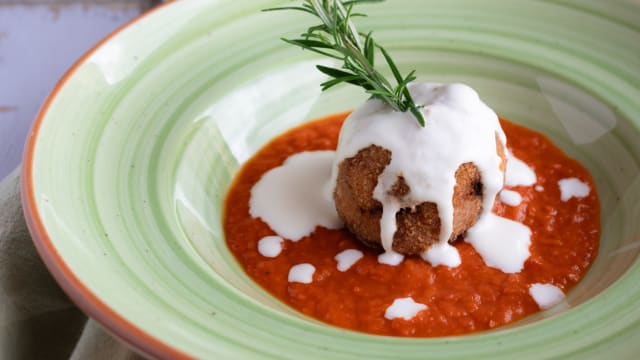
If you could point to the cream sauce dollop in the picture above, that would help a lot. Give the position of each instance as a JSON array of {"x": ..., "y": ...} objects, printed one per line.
[
  {"x": 442, "y": 254},
  {"x": 289, "y": 198},
  {"x": 405, "y": 308},
  {"x": 546, "y": 295},
  {"x": 518, "y": 172},
  {"x": 572, "y": 187},
  {"x": 347, "y": 258},
  {"x": 510, "y": 197},
  {"x": 502, "y": 243},
  {"x": 390, "y": 258},
  {"x": 301, "y": 273},
  {"x": 270, "y": 246}
]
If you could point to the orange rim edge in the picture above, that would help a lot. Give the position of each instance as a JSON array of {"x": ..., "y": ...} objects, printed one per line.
[{"x": 81, "y": 295}]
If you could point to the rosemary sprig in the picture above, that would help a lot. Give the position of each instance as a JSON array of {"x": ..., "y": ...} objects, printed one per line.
[{"x": 338, "y": 38}]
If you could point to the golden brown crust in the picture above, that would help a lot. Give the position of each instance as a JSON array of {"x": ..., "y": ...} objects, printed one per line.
[
  {"x": 418, "y": 227},
  {"x": 357, "y": 177}
]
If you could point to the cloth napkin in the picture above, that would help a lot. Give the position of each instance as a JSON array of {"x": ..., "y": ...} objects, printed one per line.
[{"x": 37, "y": 319}]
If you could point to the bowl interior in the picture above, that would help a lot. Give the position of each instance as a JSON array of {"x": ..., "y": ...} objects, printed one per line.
[{"x": 138, "y": 148}]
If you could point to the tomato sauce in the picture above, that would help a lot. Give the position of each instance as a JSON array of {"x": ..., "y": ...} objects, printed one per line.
[{"x": 461, "y": 300}]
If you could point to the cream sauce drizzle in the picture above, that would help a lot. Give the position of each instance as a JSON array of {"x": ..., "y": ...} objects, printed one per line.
[{"x": 459, "y": 128}]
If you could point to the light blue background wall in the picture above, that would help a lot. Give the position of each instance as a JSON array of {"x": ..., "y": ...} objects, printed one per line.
[{"x": 39, "y": 41}]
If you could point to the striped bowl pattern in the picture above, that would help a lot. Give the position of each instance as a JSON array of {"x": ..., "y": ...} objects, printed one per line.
[{"x": 127, "y": 166}]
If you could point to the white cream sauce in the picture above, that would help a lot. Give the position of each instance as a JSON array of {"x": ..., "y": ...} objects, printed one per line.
[
  {"x": 289, "y": 198},
  {"x": 546, "y": 295},
  {"x": 390, "y": 258},
  {"x": 405, "y": 308},
  {"x": 459, "y": 128},
  {"x": 270, "y": 246},
  {"x": 518, "y": 172},
  {"x": 502, "y": 243},
  {"x": 302, "y": 273},
  {"x": 572, "y": 187},
  {"x": 510, "y": 197},
  {"x": 347, "y": 258},
  {"x": 442, "y": 254}
]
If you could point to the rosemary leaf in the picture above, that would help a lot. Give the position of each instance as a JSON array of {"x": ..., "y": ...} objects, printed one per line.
[{"x": 337, "y": 37}]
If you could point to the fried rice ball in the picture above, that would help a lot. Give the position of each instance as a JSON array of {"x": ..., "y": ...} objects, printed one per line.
[{"x": 417, "y": 227}]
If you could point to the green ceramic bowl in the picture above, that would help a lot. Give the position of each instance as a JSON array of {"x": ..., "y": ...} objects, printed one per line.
[{"x": 129, "y": 160}]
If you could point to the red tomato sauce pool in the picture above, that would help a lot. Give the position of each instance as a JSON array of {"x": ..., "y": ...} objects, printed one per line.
[{"x": 465, "y": 299}]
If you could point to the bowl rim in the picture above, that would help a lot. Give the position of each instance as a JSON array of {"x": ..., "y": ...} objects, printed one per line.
[{"x": 77, "y": 291}]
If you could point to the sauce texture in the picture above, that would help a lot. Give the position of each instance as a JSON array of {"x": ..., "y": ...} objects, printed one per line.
[{"x": 468, "y": 298}]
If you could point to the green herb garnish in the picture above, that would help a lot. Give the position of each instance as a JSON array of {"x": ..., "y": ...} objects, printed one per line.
[{"x": 338, "y": 38}]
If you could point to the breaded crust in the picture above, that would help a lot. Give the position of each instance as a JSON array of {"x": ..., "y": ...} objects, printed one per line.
[{"x": 417, "y": 228}]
